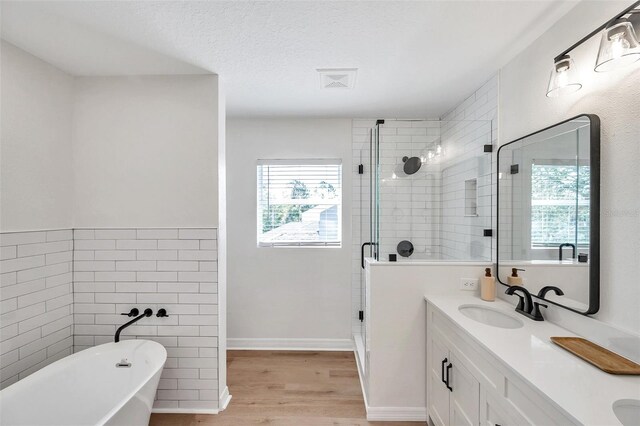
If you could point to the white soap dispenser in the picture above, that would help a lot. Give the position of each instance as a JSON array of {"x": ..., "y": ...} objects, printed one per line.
[{"x": 488, "y": 286}]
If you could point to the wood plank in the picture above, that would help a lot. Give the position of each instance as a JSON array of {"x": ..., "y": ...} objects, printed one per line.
[{"x": 287, "y": 388}]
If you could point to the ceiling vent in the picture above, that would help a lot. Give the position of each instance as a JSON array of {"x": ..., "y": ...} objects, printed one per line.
[{"x": 337, "y": 78}]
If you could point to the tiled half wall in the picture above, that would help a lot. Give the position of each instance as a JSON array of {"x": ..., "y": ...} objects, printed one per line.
[
  {"x": 36, "y": 301},
  {"x": 45, "y": 316}
]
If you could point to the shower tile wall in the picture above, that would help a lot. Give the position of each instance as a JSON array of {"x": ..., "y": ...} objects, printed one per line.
[
  {"x": 465, "y": 130},
  {"x": 116, "y": 270},
  {"x": 409, "y": 204},
  {"x": 36, "y": 301},
  {"x": 429, "y": 210}
]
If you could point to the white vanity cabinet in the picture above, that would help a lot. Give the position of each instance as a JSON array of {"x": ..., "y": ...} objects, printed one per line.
[
  {"x": 493, "y": 413},
  {"x": 467, "y": 385},
  {"x": 453, "y": 390}
]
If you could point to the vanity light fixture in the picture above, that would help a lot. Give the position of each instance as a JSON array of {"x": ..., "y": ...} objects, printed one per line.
[
  {"x": 564, "y": 78},
  {"x": 619, "y": 47}
]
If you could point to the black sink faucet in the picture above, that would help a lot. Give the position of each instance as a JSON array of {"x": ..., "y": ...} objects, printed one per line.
[
  {"x": 544, "y": 290},
  {"x": 133, "y": 313},
  {"x": 526, "y": 305},
  {"x": 573, "y": 251}
]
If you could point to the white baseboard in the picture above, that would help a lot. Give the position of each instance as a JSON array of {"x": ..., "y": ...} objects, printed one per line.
[
  {"x": 224, "y": 400},
  {"x": 360, "y": 374},
  {"x": 185, "y": 410},
  {"x": 397, "y": 414},
  {"x": 290, "y": 344}
]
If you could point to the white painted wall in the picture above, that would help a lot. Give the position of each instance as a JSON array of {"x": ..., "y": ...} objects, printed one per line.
[
  {"x": 35, "y": 157},
  {"x": 615, "y": 97},
  {"x": 145, "y": 151},
  {"x": 284, "y": 294}
]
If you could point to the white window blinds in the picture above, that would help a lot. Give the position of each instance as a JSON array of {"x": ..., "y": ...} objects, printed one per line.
[{"x": 299, "y": 202}]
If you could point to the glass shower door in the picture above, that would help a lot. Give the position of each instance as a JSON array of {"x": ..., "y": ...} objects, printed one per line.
[
  {"x": 369, "y": 234},
  {"x": 375, "y": 190}
]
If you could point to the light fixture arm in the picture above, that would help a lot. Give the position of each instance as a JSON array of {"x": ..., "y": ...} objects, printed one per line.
[{"x": 630, "y": 9}]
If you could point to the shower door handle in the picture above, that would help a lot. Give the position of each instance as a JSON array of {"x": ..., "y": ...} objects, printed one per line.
[{"x": 362, "y": 253}]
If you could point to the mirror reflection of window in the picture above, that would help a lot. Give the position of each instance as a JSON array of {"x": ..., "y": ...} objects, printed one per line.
[{"x": 559, "y": 203}]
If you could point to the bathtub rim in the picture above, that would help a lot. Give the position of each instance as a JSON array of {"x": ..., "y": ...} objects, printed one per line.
[{"x": 27, "y": 381}]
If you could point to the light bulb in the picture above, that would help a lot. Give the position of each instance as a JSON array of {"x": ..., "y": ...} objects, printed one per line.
[{"x": 619, "y": 47}]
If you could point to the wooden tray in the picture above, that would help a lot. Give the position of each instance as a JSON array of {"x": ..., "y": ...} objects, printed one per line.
[{"x": 602, "y": 358}]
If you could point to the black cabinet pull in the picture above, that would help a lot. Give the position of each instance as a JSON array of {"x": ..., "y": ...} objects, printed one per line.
[
  {"x": 444, "y": 361},
  {"x": 447, "y": 382}
]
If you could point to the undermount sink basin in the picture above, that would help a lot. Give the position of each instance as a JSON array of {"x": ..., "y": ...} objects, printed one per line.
[
  {"x": 490, "y": 316},
  {"x": 627, "y": 411}
]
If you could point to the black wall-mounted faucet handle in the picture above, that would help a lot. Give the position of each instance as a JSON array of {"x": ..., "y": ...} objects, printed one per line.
[
  {"x": 132, "y": 313},
  {"x": 162, "y": 313}
]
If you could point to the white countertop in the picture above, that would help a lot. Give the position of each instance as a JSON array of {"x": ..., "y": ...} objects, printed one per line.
[{"x": 576, "y": 387}]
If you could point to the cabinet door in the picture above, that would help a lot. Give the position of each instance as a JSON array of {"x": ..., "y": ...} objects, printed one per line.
[
  {"x": 494, "y": 411},
  {"x": 465, "y": 396},
  {"x": 437, "y": 392},
  {"x": 491, "y": 413}
]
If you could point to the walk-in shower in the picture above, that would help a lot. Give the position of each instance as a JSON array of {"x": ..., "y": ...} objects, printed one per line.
[{"x": 424, "y": 194}]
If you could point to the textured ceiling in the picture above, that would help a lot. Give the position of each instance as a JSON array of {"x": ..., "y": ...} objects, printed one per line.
[{"x": 415, "y": 59}]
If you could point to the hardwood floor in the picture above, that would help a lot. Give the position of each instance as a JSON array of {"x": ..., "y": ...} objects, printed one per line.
[{"x": 287, "y": 388}]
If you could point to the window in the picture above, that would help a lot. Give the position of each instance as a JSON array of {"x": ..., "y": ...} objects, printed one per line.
[
  {"x": 299, "y": 203},
  {"x": 559, "y": 204}
]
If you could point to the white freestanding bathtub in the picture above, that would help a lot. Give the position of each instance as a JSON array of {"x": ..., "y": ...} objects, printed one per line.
[{"x": 87, "y": 388}]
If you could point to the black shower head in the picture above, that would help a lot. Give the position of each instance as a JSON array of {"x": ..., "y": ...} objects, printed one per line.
[{"x": 411, "y": 165}]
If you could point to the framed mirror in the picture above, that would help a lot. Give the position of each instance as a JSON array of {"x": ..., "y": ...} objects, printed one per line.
[{"x": 548, "y": 218}]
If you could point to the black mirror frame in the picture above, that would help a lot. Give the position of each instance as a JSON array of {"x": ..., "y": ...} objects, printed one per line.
[{"x": 594, "y": 213}]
